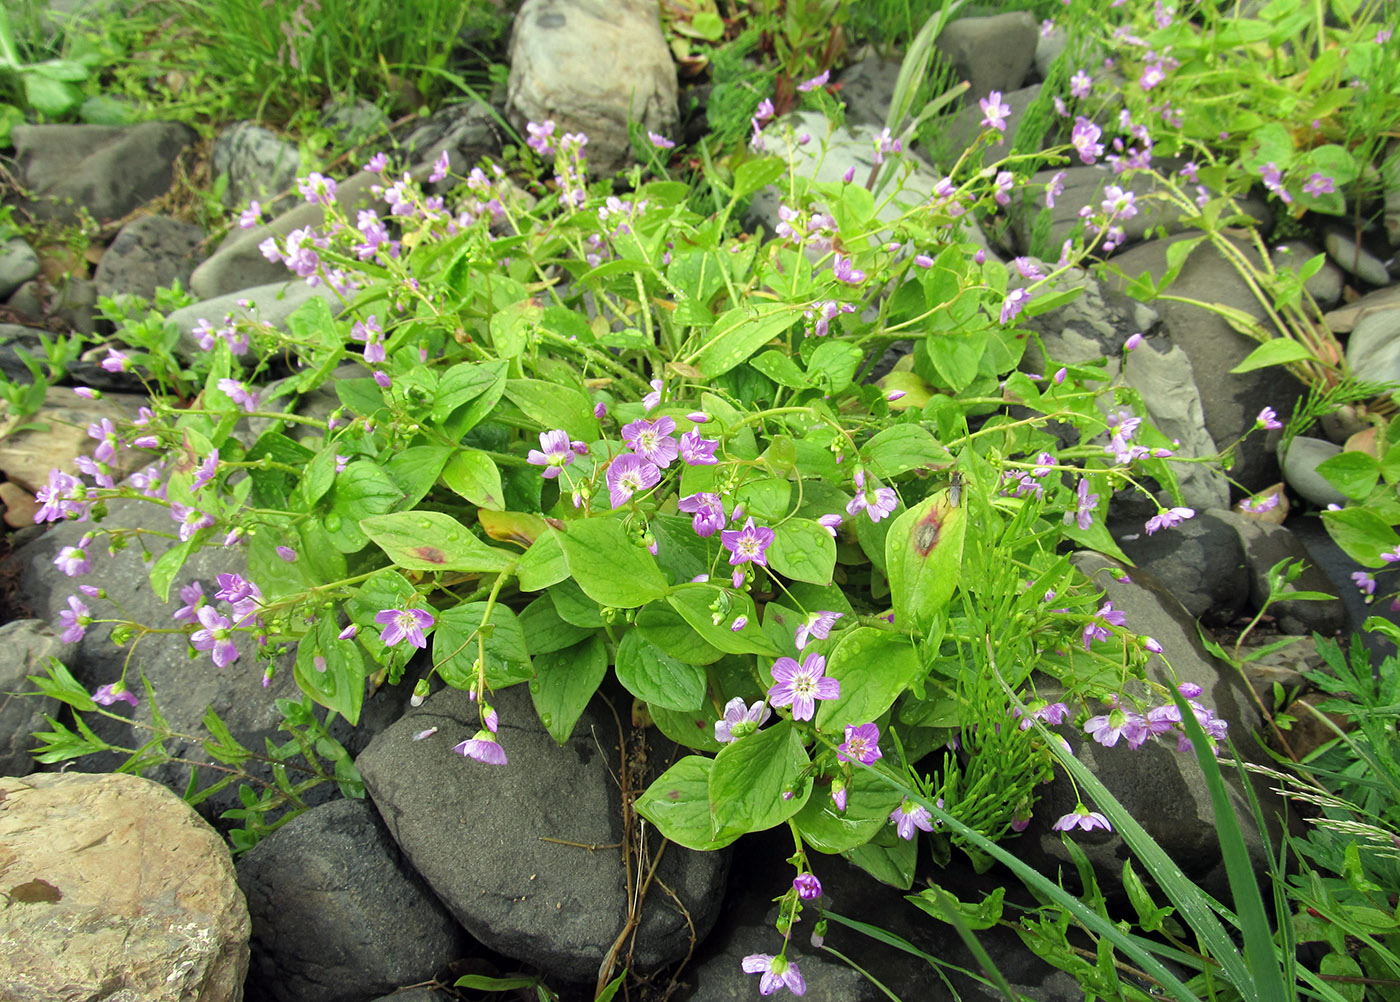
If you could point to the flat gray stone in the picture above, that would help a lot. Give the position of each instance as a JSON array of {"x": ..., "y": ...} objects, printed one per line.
[
  {"x": 991, "y": 53},
  {"x": 272, "y": 303},
  {"x": 25, "y": 648},
  {"x": 18, "y": 264},
  {"x": 150, "y": 253}
]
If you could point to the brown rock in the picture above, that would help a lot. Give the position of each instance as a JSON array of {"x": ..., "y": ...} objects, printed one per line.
[
  {"x": 27, "y": 456},
  {"x": 116, "y": 889}
]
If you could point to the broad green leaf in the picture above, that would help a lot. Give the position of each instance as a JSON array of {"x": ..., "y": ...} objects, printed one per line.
[
  {"x": 678, "y": 804},
  {"x": 546, "y": 631},
  {"x": 433, "y": 541},
  {"x": 555, "y": 406},
  {"x": 52, "y": 97},
  {"x": 751, "y": 175},
  {"x": 695, "y": 729},
  {"x": 923, "y": 557},
  {"x": 574, "y": 606},
  {"x": 834, "y": 363},
  {"x": 803, "y": 550},
  {"x": 653, "y": 676},
  {"x": 985, "y": 914},
  {"x": 781, "y": 369},
  {"x": 416, "y": 469},
  {"x": 750, "y": 776},
  {"x": 331, "y": 671},
  {"x": 889, "y": 864},
  {"x": 473, "y": 475},
  {"x": 565, "y": 681},
  {"x": 873, "y": 667},
  {"x": 738, "y": 333},
  {"x": 868, "y": 805},
  {"x": 903, "y": 447},
  {"x": 465, "y": 382},
  {"x": 458, "y": 642},
  {"x": 361, "y": 490},
  {"x": 955, "y": 357},
  {"x": 1278, "y": 351},
  {"x": 542, "y": 564},
  {"x": 666, "y": 628},
  {"x": 608, "y": 565},
  {"x": 169, "y": 563},
  {"x": 767, "y": 499},
  {"x": 511, "y": 326},
  {"x": 699, "y": 604},
  {"x": 1353, "y": 473},
  {"x": 1361, "y": 533}
]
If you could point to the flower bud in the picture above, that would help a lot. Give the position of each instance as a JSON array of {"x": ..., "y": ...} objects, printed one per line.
[{"x": 420, "y": 692}]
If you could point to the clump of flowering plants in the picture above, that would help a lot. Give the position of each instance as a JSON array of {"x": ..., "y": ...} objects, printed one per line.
[{"x": 596, "y": 432}]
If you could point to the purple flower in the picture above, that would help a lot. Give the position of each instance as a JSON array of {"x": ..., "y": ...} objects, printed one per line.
[
  {"x": 1268, "y": 420},
  {"x": 1119, "y": 203},
  {"x": 628, "y": 474},
  {"x": 652, "y": 440},
  {"x": 74, "y": 620},
  {"x": 817, "y": 81},
  {"x": 1001, "y": 187},
  {"x": 660, "y": 141},
  {"x": 214, "y": 636},
  {"x": 842, "y": 271},
  {"x": 653, "y": 399},
  {"x": 748, "y": 544},
  {"x": 1107, "y": 728},
  {"x": 317, "y": 189},
  {"x": 1363, "y": 580},
  {"x": 1014, "y": 303},
  {"x": 876, "y": 503},
  {"x": 401, "y": 623},
  {"x": 818, "y": 625},
  {"x": 483, "y": 747},
  {"x": 191, "y": 520},
  {"x": 740, "y": 719},
  {"x": 995, "y": 111},
  {"x": 778, "y": 972},
  {"x": 697, "y": 451},
  {"x": 349, "y": 632},
  {"x": 73, "y": 561},
  {"x": 1316, "y": 185},
  {"x": 831, "y": 523},
  {"x": 1085, "y": 140},
  {"x": 111, "y": 692},
  {"x": 440, "y": 168},
  {"x": 739, "y": 621},
  {"x": 1095, "y": 630},
  {"x": 1086, "y": 504},
  {"x": 556, "y": 453},
  {"x": 239, "y": 394},
  {"x": 116, "y": 361},
  {"x": 1132, "y": 342},
  {"x": 1050, "y": 713},
  {"x": 287, "y": 553},
  {"x": 1082, "y": 817},
  {"x": 800, "y": 686},
  {"x": 908, "y": 816},
  {"x": 809, "y": 888},
  {"x": 861, "y": 744},
  {"x": 192, "y": 595},
  {"x": 1168, "y": 519},
  {"x": 540, "y": 136},
  {"x": 708, "y": 512},
  {"x": 205, "y": 471},
  {"x": 1080, "y": 83},
  {"x": 250, "y": 216},
  {"x": 1054, "y": 188}
]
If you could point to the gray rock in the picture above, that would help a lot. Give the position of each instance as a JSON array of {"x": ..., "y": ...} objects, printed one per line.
[
  {"x": 469, "y": 131},
  {"x": 1300, "y": 470},
  {"x": 991, "y": 53},
  {"x": 623, "y": 74},
  {"x": 1325, "y": 286},
  {"x": 1353, "y": 258},
  {"x": 72, "y": 306},
  {"x": 260, "y": 165},
  {"x": 150, "y": 253},
  {"x": 1345, "y": 318},
  {"x": 1048, "y": 49},
  {"x": 1265, "y": 544},
  {"x": 721, "y": 978},
  {"x": 1373, "y": 350},
  {"x": 1334, "y": 562},
  {"x": 272, "y": 304},
  {"x": 106, "y": 169},
  {"x": 1231, "y": 403},
  {"x": 558, "y": 907},
  {"x": 238, "y": 264},
  {"x": 84, "y": 371},
  {"x": 1201, "y": 562},
  {"x": 25, "y": 648},
  {"x": 18, "y": 264},
  {"x": 1161, "y": 787},
  {"x": 867, "y": 87},
  {"x": 421, "y": 993},
  {"x": 337, "y": 913},
  {"x": 354, "y": 122}
]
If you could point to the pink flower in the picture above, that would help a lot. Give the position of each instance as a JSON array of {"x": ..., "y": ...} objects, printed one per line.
[
  {"x": 215, "y": 636},
  {"x": 1168, "y": 519},
  {"x": 740, "y": 719},
  {"x": 817, "y": 81},
  {"x": 660, "y": 141},
  {"x": 861, "y": 744},
  {"x": 111, "y": 692},
  {"x": 483, "y": 747},
  {"x": 995, "y": 111},
  {"x": 404, "y": 623},
  {"x": 1268, "y": 420},
  {"x": 1080, "y": 83},
  {"x": 748, "y": 544},
  {"x": 708, "y": 512},
  {"x": 628, "y": 474},
  {"x": 908, "y": 816},
  {"x": 818, "y": 625},
  {"x": 556, "y": 453},
  {"x": 778, "y": 972},
  {"x": 877, "y": 503},
  {"x": 440, "y": 168},
  {"x": 652, "y": 441},
  {"x": 801, "y": 686},
  {"x": 1082, "y": 817}
]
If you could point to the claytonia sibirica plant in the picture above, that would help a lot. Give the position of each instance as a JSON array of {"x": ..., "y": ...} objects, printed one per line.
[{"x": 802, "y": 574}]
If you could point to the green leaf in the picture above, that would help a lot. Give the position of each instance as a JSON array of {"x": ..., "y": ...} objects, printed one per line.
[
  {"x": 50, "y": 96},
  {"x": 565, "y": 681},
  {"x": 1353, "y": 473},
  {"x": 546, "y": 631},
  {"x": 955, "y": 357},
  {"x": 415, "y": 469},
  {"x": 766, "y": 499},
  {"x": 456, "y": 646},
  {"x": 750, "y": 776},
  {"x": 62, "y": 686},
  {"x": 1277, "y": 351},
  {"x": 362, "y": 489},
  {"x": 331, "y": 671},
  {"x": 473, "y": 475},
  {"x": 169, "y": 563},
  {"x": 803, "y": 550},
  {"x": 868, "y": 806},
  {"x": 752, "y": 175},
  {"x": 511, "y": 326},
  {"x": 923, "y": 556},
  {"x": 433, "y": 541},
  {"x": 781, "y": 369},
  {"x": 466, "y": 393},
  {"x": 890, "y": 864},
  {"x": 902, "y": 447},
  {"x": 986, "y": 914},
  {"x": 555, "y": 406},
  {"x": 738, "y": 333},
  {"x": 873, "y": 667},
  {"x": 678, "y": 804},
  {"x": 666, "y": 628},
  {"x": 608, "y": 565},
  {"x": 1362, "y": 533},
  {"x": 653, "y": 676},
  {"x": 694, "y": 603},
  {"x": 834, "y": 363},
  {"x": 542, "y": 565}
]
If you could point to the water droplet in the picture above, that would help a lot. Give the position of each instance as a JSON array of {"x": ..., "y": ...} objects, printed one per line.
[
  {"x": 333, "y": 522},
  {"x": 547, "y": 719},
  {"x": 535, "y": 688}
]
